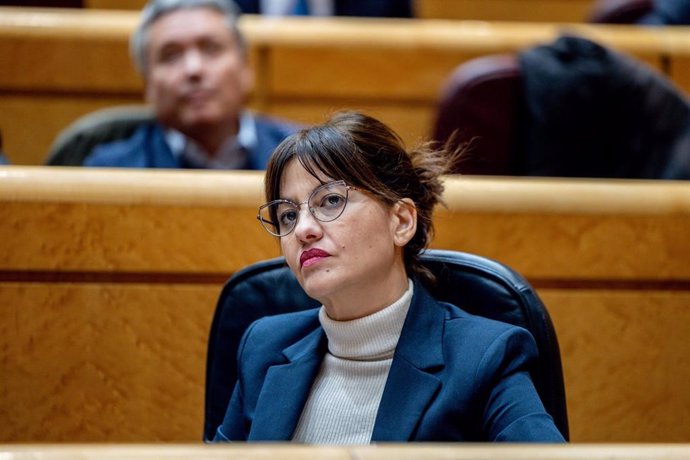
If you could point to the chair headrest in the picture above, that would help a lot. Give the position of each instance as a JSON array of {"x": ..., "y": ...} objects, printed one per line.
[{"x": 479, "y": 107}]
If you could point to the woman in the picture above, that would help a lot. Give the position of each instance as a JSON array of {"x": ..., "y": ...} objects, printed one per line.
[{"x": 381, "y": 360}]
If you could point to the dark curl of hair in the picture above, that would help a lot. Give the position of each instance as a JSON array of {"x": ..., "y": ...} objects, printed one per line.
[{"x": 367, "y": 154}]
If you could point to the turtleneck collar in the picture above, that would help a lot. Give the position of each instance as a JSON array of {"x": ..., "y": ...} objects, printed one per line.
[{"x": 372, "y": 337}]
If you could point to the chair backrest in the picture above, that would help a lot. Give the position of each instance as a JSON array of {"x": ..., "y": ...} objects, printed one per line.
[
  {"x": 478, "y": 285},
  {"x": 479, "y": 107},
  {"x": 111, "y": 124}
]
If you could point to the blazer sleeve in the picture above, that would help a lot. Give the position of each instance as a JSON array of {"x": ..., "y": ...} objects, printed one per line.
[{"x": 514, "y": 412}]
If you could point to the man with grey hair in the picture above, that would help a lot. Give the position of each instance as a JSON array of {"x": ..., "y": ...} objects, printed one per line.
[{"x": 194, "y": 63}]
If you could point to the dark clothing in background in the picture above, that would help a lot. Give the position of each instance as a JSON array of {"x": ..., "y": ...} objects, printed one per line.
[
  {"x": 370, "y": 8},
  {"x": 592, "y": 112},
  {"x": 148, "y": 148}
]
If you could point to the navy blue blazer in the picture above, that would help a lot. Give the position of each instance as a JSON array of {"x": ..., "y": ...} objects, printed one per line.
[
  {"x": 454, "y": 377},
  {"x": 147, "y": 147}
]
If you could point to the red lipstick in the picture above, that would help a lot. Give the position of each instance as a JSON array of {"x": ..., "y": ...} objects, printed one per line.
[{"x": 312, "y": 256}]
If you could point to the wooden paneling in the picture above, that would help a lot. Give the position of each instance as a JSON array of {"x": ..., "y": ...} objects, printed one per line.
[
  {"x": 411, "y": 119},
  {"x": 103, "y": 362},
  {"x": 505, "y": 10},
  {"x": 108, "y": 281},
  {"x": 615, "y": 247},
  {"x": 304, "y": 67},
  {"x": 31, "y": 121},
  {"x": 623, "y": 352},
  {"x": 487, "y": 10}
]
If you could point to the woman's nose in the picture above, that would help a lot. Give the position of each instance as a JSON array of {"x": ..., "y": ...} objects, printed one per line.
[{"x": 307, "y": 227}]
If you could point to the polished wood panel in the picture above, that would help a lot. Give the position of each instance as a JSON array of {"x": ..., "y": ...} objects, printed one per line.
[
  {"x": 131, "y": 221},
  {"x": 491, "y": 10},
  {"x": 108, "y": 281},
  {"x": 392, "y": 67},
  {"x": 30, "y": 122},
  {"x": 505, "y": 10},
  {"x": 378, "y": 452},
  {"x": 589, "y": 247},
  {"x": 103, "y": 362},
  {"x": 624, "y": 355}
]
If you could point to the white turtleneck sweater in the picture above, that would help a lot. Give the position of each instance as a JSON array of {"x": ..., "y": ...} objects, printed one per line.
[{"x": 345, "y": 397}]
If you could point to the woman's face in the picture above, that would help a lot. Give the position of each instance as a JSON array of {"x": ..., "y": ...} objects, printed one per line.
[{"x": 354, "y": 264}]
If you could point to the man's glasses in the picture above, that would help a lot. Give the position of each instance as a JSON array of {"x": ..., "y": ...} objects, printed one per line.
[{"x": 326, "y": 203}]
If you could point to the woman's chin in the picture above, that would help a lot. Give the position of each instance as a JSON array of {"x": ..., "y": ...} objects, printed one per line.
[{"x": 317, "y": 287}]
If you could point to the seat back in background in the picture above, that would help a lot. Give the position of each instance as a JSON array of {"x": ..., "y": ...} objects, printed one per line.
[
  {"x": 480, "y": 107},
  {"x": 77, "y": 141}
]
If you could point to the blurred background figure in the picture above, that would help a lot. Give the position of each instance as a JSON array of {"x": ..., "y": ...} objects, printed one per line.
[{"x": 197, "y": 79}]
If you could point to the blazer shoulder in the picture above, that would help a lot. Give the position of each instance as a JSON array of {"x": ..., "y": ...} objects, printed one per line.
[
  {"x": 473, "y": 332},
  {"x": 146, "y": 147},
  {"x": 275, "y": 127},
  {"x": 269, "y": 133}
]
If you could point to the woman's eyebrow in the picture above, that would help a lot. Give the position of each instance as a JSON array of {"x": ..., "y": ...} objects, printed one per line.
[{"x": 292, "y": 200}]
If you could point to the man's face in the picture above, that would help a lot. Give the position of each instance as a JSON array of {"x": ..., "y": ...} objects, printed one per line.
[{"x": 197, "y": 75}]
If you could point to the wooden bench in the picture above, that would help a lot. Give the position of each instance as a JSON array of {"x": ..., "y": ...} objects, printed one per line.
[
  {"x": 55, "y": 67},
  {"x": 109, "y": 278}
]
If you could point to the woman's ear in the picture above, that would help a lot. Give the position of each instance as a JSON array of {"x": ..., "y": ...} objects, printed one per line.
[{"x": 404, "y": 221}]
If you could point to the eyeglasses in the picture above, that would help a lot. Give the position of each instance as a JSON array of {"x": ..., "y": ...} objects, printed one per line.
[{"x": 326, "y": 203}]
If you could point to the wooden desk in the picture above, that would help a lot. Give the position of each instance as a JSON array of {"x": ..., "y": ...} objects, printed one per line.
[
  {"x": 54, "y": 68},
  {"x": 109, "y": 278},
  {"x": 380, "y": 452}
]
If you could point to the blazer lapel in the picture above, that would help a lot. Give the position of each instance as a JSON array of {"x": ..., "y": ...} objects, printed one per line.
[
  {"x": 411, "y": 386},
  {"x": 286, "y": 388}
]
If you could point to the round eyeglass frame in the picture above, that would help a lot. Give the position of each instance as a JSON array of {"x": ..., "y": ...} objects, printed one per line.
[{"x": 267, "y": 225}]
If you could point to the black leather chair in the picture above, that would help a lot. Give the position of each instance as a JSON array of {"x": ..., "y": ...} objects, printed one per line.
[
  {"x": 111, "y": 124},
  {"x": 478, "y": 285}
]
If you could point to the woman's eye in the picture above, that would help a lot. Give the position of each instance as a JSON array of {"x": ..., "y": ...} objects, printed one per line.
[
  {"x": 287, "y": 217},
  {"x": 332, "y": 201}
]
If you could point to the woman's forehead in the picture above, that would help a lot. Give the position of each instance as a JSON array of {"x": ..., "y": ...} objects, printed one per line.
[{"x": 296, "y": 180}]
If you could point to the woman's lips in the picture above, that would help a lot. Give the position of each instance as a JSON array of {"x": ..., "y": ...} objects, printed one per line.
[{"x": 312, "y": 256}]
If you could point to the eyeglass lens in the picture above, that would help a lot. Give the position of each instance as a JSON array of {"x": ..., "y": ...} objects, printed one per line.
[{"x": 326, "y": 203}]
